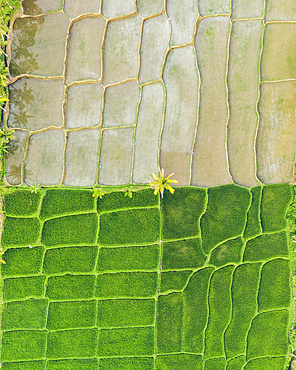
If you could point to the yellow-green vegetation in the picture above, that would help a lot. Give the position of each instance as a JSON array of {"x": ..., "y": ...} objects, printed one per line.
[{"x": 115, "y": 282}]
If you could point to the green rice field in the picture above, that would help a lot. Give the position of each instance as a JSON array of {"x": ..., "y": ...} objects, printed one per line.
[{"x": 196, "y": 280}]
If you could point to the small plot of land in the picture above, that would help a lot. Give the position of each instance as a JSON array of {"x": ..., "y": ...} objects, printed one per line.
[{"x": 196, "y": 280}]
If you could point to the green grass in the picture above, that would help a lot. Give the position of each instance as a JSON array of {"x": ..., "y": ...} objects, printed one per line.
[
  {"x": 174, "y": 280},
  {"x": 226, "y": 215},
  {"x": 183, "y": 254},
  {"x": 195, "y": 320},
  {"x": 275, "y": 201},
  {"x": 22, "y": 261},
  {"x": 127, "y": 284},
  {"x": 228, "y": 252},
  {"x": 182, "y": 211},
  {"x": 24, "y": 287},
  {"x": 29, "y": 314},
  {"x": 71, "y": 315},
  {"x": 118, "y": 200},
  {"x": 66, "y": 201},
  {"x": 128, "y": 363},
  {"x": 60, "y": 288},
  {"x": 244, "y": 307},
  {"x": 82, "y": 364},
  {"x": 23, "y": 345},
  {"x": 267, "y": 363},
  {"x": 22, "y": 203},
  {"x": 169, "y": 323},
  {"x": 69, "y": 230},
  {"x": 26, "y": 365},
  {"x": 129, "y": 227},
  {"x": 126, "y": 342},
  {"x": 20, "y": 231},
  {"x": 271, "y": 329},
  {"x": 70, "y": 259},
  {"x": 126, "y": 312},
  {"x": 129, "y": 258},
  {"x": 179, "y": 362},
  {"x": 71, "y": 343},
  {"x": 215, "y": 363},
  {"x": 274, "y": 288},
  {"x": 219, "y": 311},
  {"x": 253, "y": 226},
  {"x": 266, "y": 246}
]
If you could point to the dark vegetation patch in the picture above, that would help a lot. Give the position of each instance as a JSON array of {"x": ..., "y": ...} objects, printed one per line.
[
  {"x": 128, "y": 363},
  {"x": 29, "y": 314},
  {"x": 118, "y": 200},
  {"x": 72, "y": 343},
  {"x": 127, "y": 284},
  {"x": 253, "y": 226},
  {"x": 20, "y": 231},
  {"x": 169, "y": 323},
  {"x": 60, "y": 288},
  {"x": 22, "y": 261},
  {"x": 126, "y": 312},
  {"x": 183, "y": 254},
  {"x": 275, "y": 201},
  {"x": 70, "y": 259},
  {"x": 267, "y": 246},
  {"x": 82, "y": 364},
  {"x": 130, "y": 227},
  {"x": 182, "y": 211},
  {"x": 236, "y": 363},
  {"x": 58, "y": 202},
  {"x": 228, "y": 252},
  {"x": 274, "y": 288},
  {"x": 71, "y": 315},
  {"x": 219, "y": 311},
  {"x": 179, "y": 361},
  {"x": 244, "y": 307},
  {"x": 70, "y": 230},
  {"x": 174, "y": 280},
  {"x": 195, "y": 321},
  {"x": 226, "y": 215},
  {"x": 271, "y": 329},
  {"x": 24, "y": 287},
  {"x": 129, "y": 258},
  {"x": 267, "y": 363},
  {"x": 22, "y": 203},
  {"x": 24, "y": 365},
  {"x": 215, "y": 363},
  {"x": 23, "y": 345},
  {"x": 126, "y": 342}
]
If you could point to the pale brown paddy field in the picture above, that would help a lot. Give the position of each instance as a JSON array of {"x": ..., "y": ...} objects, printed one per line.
[{"x": 107, "y": 92}]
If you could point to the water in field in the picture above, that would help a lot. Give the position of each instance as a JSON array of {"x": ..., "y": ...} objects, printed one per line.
[{"x": 130, "y": 87}]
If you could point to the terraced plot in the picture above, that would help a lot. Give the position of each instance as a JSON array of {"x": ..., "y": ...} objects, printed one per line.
[
  {"x": 198, "y": 280},
  {"x": 108, "y": 92}
]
